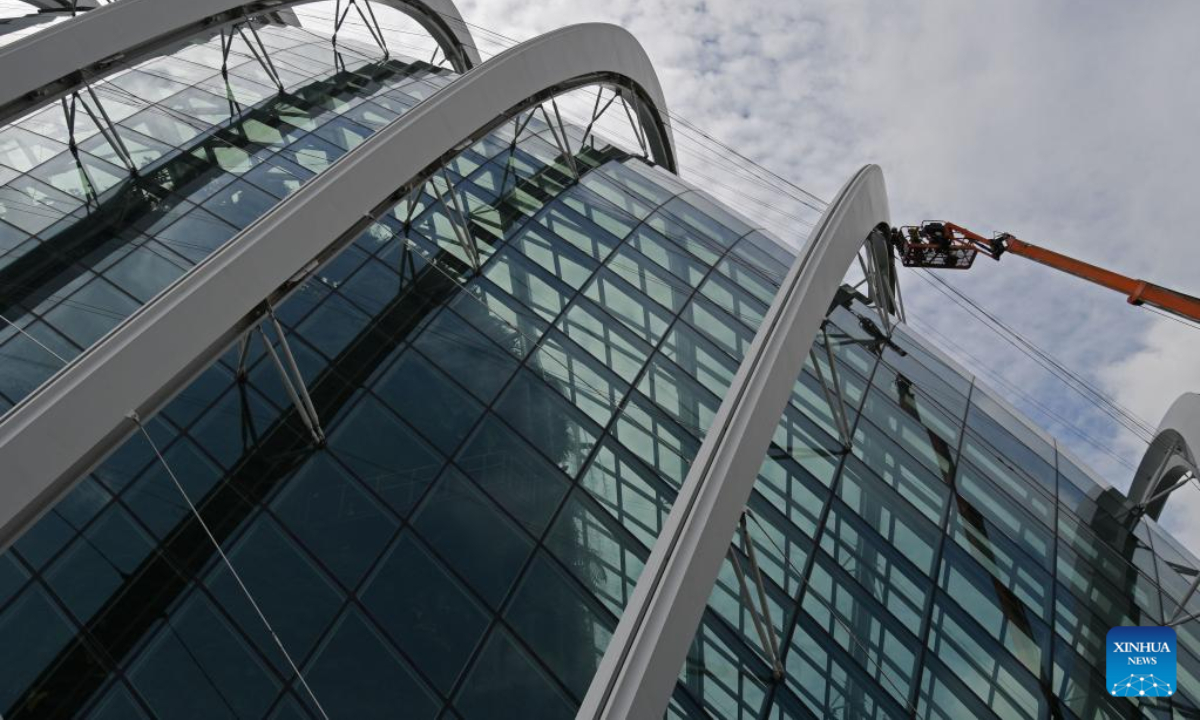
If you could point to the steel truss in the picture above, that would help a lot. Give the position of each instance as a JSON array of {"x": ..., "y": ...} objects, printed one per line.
[
  {"x": 59, "y": 59},
  {"x": 67, "y": 426}
]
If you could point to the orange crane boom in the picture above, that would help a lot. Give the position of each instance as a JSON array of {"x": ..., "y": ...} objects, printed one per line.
[{"x": 944, "y": 245}]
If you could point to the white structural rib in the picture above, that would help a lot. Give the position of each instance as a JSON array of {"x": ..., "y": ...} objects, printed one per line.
[
  {"x": 638, "y": 672},
  {"x": 69, "y": 424},
  {"x": 36, "y": 68},
  {"x": 1171, "y": 455}
]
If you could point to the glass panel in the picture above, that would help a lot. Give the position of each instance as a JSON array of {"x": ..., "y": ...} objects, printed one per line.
[
  {"x": 355, "y": 673},
  {"x": 425, "y": 611},
  {"x": 505, "y": 684}
]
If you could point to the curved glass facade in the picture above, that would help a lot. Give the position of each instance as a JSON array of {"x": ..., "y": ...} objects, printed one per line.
[
  {"x": 109, "y": 196},
  {"x": 508, "y": 417}
]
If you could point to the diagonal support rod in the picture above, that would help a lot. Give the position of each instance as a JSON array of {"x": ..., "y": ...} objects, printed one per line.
[
  {"x": 597, "y": 113},
  {"x": 773, "y": 643},
  {"x": 108, "y": 128},
  {"x": 1183, "y": 603},
  {"x": 637, "y": 129},
  {"x": 561, "y": 144},
  {"x": 837, "y": 404},
  {"x": 293, "y": 381},
  {"x": 876, "y": 283},
  {"x": 457, "y": 224},
  {"x": 1183, "y": 480}
]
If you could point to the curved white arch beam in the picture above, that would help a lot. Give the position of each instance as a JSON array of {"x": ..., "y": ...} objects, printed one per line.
[
  {"x": 37, "y": 68},
  {"x": 1173, "y": 452},
  {"x": 69, "y": 424},
  {"x": 639, "y": 669}
]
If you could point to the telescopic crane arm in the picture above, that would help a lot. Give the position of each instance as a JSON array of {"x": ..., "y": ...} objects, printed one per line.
[{"x": 944, "y": 245}]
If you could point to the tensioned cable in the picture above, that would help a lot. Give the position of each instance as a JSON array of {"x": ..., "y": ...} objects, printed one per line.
[
  {"x": 689, "y": 126},
  {"x": 809, "y": 199},
  {"x": 1043, "y": 354},
  {"x": 1018, "y": 392},
  {"x": 39, "y": 343},
  {"x": 1096, "y": 397},
  {"x": 1120, "y": 414},
  {"x": 228, "y": 565},
  {"x": 1169, "y": 316}
]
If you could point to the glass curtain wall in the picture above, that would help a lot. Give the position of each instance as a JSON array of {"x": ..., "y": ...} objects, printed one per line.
[
  {"x": 95, "y": 219},
  {"x": 951, "y": 563},
  {"x": 508, "y": 418},
  {"x": 502, "y": 445}
]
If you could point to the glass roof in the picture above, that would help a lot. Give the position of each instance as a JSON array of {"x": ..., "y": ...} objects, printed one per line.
[{"x": 95, "y": 220}]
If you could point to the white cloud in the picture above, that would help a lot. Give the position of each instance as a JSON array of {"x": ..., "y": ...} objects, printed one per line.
[{"x": 1068, "y": 124}]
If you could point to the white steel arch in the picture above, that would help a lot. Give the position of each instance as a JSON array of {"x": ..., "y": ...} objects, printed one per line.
[
  {"x": 1171, "y": 455},
  {"x": 67, "y": 426},
  {"x": 639, "y": 669},
  {"x": 37, "y": 68}
]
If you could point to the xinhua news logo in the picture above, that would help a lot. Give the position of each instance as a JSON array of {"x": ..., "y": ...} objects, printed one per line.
[{"x": 1141, "y": 661}]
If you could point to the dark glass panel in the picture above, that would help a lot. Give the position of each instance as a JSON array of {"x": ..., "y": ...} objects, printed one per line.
[
  {"x": 601, "y": 557},
  {"x": 626, "y": 304},
  {"x": 335, "y": 519},
  {"x": 426, "y": 612},
  {"x": 198, "y": 666},
  {"x": 878, "y": 569},
  {"x": 875, "y": 453},
  {"x": 632, "y": 493},
  {"x": 996, "y": 677},
  {"x": 99, "y": 562},
  {"x": 509, "y": 469},
  {"x": 33, "y": 633},
  {"x": 384, "y": 453},
  {"x": 116, "y": 704},
  {"x": 295, "y": 595},
  {"x": 505, "y": 684},
  {"x": 980, "y": 458},
  {"x": 429, "y": 400},
  {"x": 992, "y": 607},
  {"x": 481, "y": 365},
  {"x": 609, "y": 342},
  {"x": 825, "y": 678},
  {"x": 562, "y": 627},
  {"x": 474, "y": 536},
  {"x": 722, "y": 674},
  {"x": 356, "y": 673},
  {"x": 987, "y": 510}
]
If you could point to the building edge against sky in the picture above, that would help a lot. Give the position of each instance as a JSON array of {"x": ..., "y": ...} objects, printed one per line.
[{"x": 432, "y": 464}]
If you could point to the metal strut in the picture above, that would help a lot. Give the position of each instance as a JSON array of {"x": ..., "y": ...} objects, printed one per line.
[
  {"x": 637, "y": 129},
  {"x": 457, "y": 221},
  {"x": 107, "y": 128},
  {"x": 264, "y": 59},
  {"x": 1183, "y": 603},
  {"x": 519, "y": 127},
  {"x": 597, "y": 113},
  {"x": 566, "y": 143},
  {"x": 1184, "y": 479},
  {"x": 70, "y": 112},
  {"x": 293, "y": 381},
  {"x": 837, "y": 405},
  {"x": 760, "y": 613},
  {"x": 878, "y": 288}
]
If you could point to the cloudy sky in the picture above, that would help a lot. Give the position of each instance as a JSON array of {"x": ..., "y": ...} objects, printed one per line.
[{"x": 1070, "y": 124}]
